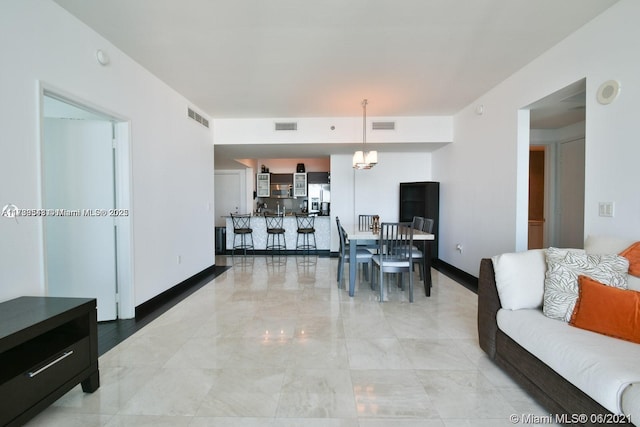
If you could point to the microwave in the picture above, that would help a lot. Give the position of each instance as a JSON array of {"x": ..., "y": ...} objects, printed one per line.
[{"x": 281, "y": 191}]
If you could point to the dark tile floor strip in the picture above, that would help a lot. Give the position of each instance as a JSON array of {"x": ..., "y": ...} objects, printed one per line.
[{"x": 112, "y": 333}]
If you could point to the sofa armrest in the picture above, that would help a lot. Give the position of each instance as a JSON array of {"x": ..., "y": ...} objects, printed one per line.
[{"x": 488, "y": 306}]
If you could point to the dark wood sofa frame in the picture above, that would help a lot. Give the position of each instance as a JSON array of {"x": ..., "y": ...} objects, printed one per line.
[{"x": 550, "y": 389}]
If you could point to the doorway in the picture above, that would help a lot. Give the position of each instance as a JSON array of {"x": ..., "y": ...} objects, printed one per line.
[
  {"x": 557, "y": 168},
  {"x": 536, "y": 197},
  {"x": 85, "y": 192},
  {"x": 230, "y": 185},
  {"x": 570, "y": 194}
]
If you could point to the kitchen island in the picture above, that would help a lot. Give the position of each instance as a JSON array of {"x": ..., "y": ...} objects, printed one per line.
[{"x": 259, "y": 227}]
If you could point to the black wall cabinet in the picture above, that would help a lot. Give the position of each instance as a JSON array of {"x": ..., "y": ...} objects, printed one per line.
[{"x": 422, "y": 199}]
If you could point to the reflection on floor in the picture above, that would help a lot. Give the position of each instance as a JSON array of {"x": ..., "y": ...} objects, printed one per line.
[
  {"x": 112, "y": 333},
  {"x": 274, "y": 342}
]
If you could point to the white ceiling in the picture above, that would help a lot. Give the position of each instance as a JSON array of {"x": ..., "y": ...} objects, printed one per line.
[{"x": 298, "y": 58}]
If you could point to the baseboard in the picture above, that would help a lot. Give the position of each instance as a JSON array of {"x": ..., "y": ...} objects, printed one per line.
[
  {"x": 323, "y": 253},
  {"x": 465, "y": 279},
  {"x": 180, "y": 291}
]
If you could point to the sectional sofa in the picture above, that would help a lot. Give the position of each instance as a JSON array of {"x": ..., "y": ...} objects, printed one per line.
[{"x": 580, "y": 376}]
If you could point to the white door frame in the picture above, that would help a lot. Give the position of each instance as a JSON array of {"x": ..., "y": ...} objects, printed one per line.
[{"x": 124, "y": 231}]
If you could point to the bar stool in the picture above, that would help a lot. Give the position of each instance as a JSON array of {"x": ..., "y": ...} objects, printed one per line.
[
  {"x": 242, "y": 228},
  {"x": 305, "y": 230},
  {"x": 275, "y": 228}
]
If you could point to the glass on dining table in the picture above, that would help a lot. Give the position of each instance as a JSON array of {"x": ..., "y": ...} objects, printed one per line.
[{"x": 375, "y": 226}]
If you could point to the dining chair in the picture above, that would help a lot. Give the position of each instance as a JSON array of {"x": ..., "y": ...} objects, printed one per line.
[
  {"x": 242, "y": 228},
  {"x": 394, "y": 254},
  {"x": 418, "y": 248},
  {"x": 420, "y": 251},
  {"x": 427, "y": 228},
  {"x": 365, "y": 222},
  {"x": 363, "y": 256},
  {"x": 418, "y": 222}
]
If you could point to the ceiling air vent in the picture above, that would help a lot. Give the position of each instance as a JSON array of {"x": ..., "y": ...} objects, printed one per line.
[
  {"x": 383, "y": 125},
  {"x": 287, "y": 126},
  {"x": 197, "y": 117}
]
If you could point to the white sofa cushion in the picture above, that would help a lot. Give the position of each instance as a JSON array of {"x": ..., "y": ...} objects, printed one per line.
[
  {"x": 631, "y": 402},
  {"x": 520, "y": 278},
  {"x": 611, "y": 245},
  {"x": 600, "y": 366},
  {"x": 561, "y": 279}
]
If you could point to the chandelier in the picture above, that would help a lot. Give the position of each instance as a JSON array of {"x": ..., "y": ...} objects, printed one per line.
[{"x": 364, "y": 159}]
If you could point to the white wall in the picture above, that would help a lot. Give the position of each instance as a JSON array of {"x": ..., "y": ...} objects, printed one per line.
[
  {"x": 478, "y": 173},
  {"x": 171, "y": 155}
]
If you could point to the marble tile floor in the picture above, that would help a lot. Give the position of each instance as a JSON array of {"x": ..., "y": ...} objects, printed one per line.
[{"x": 273, "y": 342}]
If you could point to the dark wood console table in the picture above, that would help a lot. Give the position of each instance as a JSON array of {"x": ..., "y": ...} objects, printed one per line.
[{"x": 48, "y": 345}]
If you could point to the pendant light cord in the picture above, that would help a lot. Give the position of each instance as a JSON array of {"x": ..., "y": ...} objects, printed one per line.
[{"x": 364, "y": 121}]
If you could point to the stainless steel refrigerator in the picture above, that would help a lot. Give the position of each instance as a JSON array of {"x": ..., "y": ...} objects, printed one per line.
[{"x": 319, "y": 196}]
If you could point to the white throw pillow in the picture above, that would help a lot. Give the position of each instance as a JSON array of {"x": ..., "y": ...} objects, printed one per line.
[
  {"x": 520, "y": 278},
  {"x": 561, "y": 279}
]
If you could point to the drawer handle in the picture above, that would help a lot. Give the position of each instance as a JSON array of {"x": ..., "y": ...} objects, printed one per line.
[{"x": 50, "y": 364}]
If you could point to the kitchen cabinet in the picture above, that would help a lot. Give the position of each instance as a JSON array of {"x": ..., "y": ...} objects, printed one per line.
[
  {"x": 299, "y": 184},
  {"x": 318, "y": 178},
  {"x": 422, "y": 199},
  {"x": 282, "y": 178},
  {"x": 262, "y": 184}
]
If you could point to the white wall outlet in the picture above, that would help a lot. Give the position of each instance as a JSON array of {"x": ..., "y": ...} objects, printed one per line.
[
  {"x": 459, "y": 247},
  {"x": 606, "y": 209}
]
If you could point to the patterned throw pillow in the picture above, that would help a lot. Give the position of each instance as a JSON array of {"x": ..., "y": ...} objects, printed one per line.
[{"x": 561, "y": 278}]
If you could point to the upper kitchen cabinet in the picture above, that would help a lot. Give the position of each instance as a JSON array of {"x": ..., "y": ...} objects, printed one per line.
[
  {"x": 299, "y": 184},
  {"x": 263, "y": 184},
  {"x": 318, "y": 178}
]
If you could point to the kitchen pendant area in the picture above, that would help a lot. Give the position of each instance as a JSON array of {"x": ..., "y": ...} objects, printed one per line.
[
  {"x": 288, "y": 194},
  {"x": 278, "y": 186}
]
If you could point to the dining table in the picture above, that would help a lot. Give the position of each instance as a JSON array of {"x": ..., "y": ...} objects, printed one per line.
[{"x": 357, "y": 236}]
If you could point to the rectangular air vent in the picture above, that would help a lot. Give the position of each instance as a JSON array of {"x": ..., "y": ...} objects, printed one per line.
[
  {"x": 383, "y": 125},
  {"x": 287, "y": 126},
  {"x": 197, "y": 117}
]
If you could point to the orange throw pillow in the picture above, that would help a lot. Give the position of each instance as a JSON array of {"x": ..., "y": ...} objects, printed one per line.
[
  {"x": 607, "y": 310},
  {"x": 632, "y": 253}
]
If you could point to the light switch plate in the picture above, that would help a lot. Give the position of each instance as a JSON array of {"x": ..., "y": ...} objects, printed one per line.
[{"x": 605, "y": 209}]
